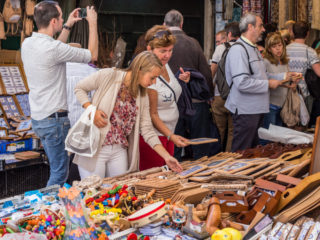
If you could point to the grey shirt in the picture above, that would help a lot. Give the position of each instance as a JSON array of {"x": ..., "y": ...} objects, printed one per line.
[
  {"x": 44, "y": 61},
  {"x": 277, "y": 72},
  {"x": 249, "y": 93},
  {"x": 301, "y": 57}
]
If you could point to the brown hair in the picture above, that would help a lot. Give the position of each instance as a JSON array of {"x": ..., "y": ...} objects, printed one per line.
[
  {"x": 144, "y": 62},
  {"x": 300, "y": 29},
  {"x": 44, "y": 12},
  {"x": 141, "y": 45},
  {"x": 271, "y": 40},
  {"x": 159, "y": 36}
]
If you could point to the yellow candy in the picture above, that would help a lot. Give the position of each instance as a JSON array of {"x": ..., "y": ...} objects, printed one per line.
[
  {"x": 221, "y": 235},
  {"x": 236, "y": 235},
  {"x": 114, "y": 210}
]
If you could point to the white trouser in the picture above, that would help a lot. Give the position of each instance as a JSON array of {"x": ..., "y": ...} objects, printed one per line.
[{"x": 112, "y": 160}]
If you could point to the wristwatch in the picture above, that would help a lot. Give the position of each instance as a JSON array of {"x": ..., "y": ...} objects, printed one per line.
[{"x": 66, "y": 27}]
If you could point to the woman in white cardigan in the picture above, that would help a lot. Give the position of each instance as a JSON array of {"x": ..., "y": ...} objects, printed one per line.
[{"x": 122, "y": 114}]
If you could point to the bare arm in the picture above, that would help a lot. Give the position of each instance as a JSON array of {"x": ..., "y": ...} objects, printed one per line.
[
  {"x": 159, "y": 124},
  {"x": 72, "y": 19},
  {"x": 316, "y": 68},
  {"x": 214, "y": 69},
  {"x": 93, "y": 44},
  {"x": 170, "y": 161}
]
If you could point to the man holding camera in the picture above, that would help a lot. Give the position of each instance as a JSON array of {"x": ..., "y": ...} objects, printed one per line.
[{"x": 44, "y": 60}]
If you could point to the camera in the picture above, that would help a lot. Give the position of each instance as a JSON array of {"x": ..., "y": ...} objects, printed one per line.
[{"x": 83, "y": 13}]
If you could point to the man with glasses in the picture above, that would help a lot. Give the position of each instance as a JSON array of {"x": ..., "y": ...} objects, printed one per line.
[
  {"x": 44, "y": 60},
  {"x": 245, "y": 71}
]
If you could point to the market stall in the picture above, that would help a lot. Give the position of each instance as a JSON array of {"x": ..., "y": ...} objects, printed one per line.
[
  {"x": 263, "y": 193},
  {"x": 23, "y": 166}
]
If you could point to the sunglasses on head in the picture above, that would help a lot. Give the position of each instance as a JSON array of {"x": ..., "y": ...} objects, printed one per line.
[{"x": 160, "y": 34}]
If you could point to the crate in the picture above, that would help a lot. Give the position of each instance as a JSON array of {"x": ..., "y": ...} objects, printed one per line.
[
  {"x": 29, "y": 175},
  {"x": 15, "y": 146}
]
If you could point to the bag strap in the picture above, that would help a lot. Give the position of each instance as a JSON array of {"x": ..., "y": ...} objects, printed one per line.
[
  {"x": 239, "y": 43},
  {"x": 227, "y": 45},
  {"x": 250, "y": 69},
  {"x": 307, "y": 57},
  {"x": 165, "y": 82}
]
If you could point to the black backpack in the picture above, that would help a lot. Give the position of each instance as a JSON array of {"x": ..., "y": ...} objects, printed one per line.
[
  {"x": 221, "y": 80},
  {"x": 313, "y": 81}
]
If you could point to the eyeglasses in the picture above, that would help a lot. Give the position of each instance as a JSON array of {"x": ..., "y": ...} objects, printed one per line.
[{"x": 160, "y": 34}]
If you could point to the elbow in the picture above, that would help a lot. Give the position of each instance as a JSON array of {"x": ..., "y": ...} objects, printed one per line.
[{"x": 94, "y": 57}]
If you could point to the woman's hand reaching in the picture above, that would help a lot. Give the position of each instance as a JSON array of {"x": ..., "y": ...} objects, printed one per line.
[
  {"x": 173, "y": 164},
  {"x": 179, "y": 141}
]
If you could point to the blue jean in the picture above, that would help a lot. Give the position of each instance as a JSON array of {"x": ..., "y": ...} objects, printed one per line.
[
  {"x": 273, "y": 117},
  {"x": 52, "y": 133}
]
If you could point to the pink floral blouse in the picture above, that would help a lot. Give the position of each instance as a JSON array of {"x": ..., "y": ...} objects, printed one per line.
[{"x": 122, "y": 118}]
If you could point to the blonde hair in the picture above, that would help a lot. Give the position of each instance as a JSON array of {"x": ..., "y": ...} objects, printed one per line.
[
  {"x": 271, "y": 40},
  {"x": 289, "y": 24},
  {"x": 159, "y": 36},
  {"x": 144, "y": 62},
  {"x": 285, "y": 34}
]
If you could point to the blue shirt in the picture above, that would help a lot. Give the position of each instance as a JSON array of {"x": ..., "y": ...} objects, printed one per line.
[{"x": 249, "y": 93}]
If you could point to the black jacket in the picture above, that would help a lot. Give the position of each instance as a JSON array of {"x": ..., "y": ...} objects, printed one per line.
[
  {"x": 187, "y": 53},
  {"x": 196, "y": 88}
]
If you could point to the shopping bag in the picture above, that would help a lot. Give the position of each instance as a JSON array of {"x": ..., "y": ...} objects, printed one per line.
[
  {"x": 290, "y": 112},
  {"x": 84, "y": 137},
  {"x": 304, "y": 114}
]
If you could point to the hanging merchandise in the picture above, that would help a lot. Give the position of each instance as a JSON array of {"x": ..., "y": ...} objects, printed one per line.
[
  {"x": 256, "y": 6},
  {"x": 228, "y": 9},
  {"x": 220, "y": 23},
  {"x": 119, "y": 53},
  {"x": 12, "y": 15},
  {"x": 275, "y": 10},
  {"x": 315, "y": 15},
  {"x": 302, "y": 10},
  {"x": 287, "y": 10},
  {"x": 310, "y": 11},
  {"x": 2, "y": 32},
  {"x": 282, "y": 16},
  {"x": 251, "y": 6},
  {"x": 28, "y": 26},
  {"x": 30, "y": 4}
]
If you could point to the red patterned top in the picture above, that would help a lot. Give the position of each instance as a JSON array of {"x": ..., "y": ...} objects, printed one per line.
[{"x": 122, "y": 118}]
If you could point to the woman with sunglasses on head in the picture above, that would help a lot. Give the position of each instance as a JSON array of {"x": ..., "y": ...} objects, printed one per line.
[
  {"x": 122, "y": 114},
  {"x": 276, "y": 62},
  {"x": 163, "y": 98}
]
